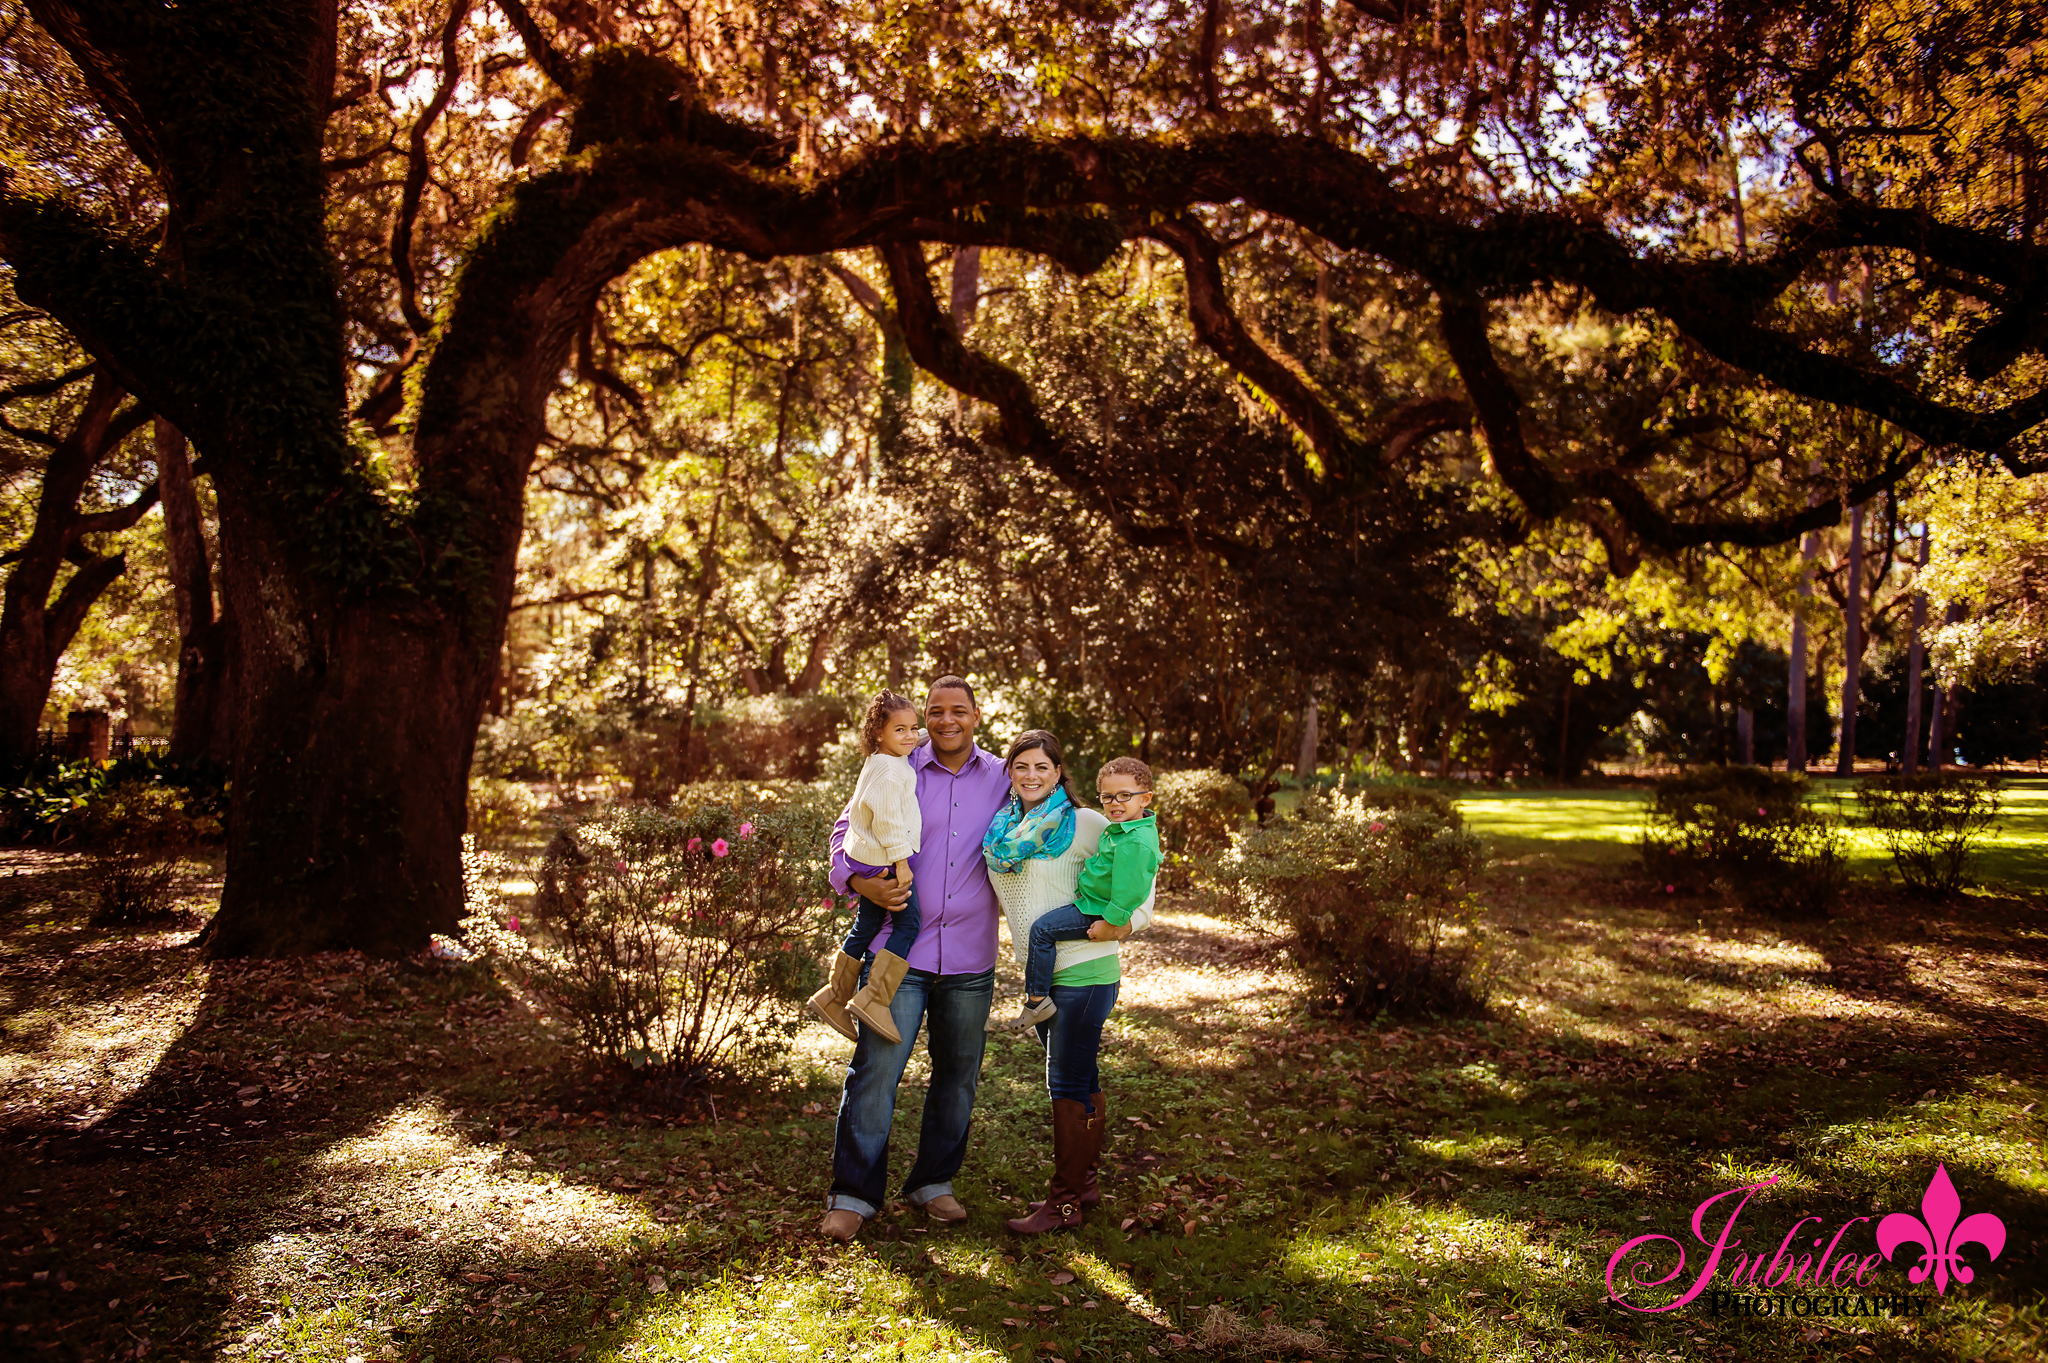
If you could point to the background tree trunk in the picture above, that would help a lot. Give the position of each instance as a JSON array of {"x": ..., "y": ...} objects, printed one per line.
[
  {"x": 1311, "y": 738},
  {"x": 1942, "y": 725},
  {"x": 1916, "y": 662},
  {"x": 1745, "y": 735},
  {"x": 1795, "y": 668},
  {"x": 1852, "y": 652},
  {"x": 34, "y": 629},
  {"x": 202, "y": 714}
]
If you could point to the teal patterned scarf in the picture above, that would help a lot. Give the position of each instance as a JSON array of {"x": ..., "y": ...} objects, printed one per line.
[{"x": 1017, "y": 835}]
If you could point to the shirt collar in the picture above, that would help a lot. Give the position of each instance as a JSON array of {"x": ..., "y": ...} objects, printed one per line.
[{"x": 922, "y": 756}]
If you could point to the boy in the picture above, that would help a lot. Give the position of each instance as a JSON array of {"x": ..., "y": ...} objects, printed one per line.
[{"x": 1114, "y": 882}]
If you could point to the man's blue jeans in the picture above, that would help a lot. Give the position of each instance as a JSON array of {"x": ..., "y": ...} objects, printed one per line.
[{"x": 954, "y": 1011}]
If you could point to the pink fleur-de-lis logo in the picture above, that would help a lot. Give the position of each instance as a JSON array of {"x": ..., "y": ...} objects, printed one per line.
[{"x": 1939, "y": 1235}]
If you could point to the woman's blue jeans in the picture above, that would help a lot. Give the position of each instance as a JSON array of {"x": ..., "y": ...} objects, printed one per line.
[{"x": 1073, "y": 1040}]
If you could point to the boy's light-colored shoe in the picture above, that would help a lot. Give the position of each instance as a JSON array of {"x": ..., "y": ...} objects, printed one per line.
[{"x": 1030, "y": 1014}]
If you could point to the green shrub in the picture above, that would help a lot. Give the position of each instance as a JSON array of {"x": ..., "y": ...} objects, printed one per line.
[
  {"x": 1370, "y": 896},
  {"x": 1751, "y": 829},
  {"x": 1931, "y": 823},
  {"x": 678, "y": 943},
  {"x": 47, "y": 802},
  {"x": 133, "y": 833},
  {"x": 1198, "y": 812},
  {"x": 500, "y": 809}
]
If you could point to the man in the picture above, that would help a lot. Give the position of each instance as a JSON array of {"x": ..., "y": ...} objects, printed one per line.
[{"x": 948, "y": 987}]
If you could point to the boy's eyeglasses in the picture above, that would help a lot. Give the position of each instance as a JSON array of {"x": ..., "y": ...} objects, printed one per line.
[{"x": 1120, "y": 797}]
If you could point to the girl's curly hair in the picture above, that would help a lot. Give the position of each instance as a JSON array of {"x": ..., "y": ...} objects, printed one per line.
[{"x": 885, "y": 704}]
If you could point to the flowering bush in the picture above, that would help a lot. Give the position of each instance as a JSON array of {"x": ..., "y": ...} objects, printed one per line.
[
  {"x": 1930, "y": 823},
  {"x": 678, "y": 942},
  {"x": 1750, "y": 829},
  {"x": 1370, "y": 894}
]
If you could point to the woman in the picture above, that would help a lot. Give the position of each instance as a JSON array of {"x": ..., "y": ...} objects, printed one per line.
[{"x": 1034, "y": 851}]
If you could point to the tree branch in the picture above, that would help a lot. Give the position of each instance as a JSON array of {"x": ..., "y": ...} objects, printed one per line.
[
  {"x": 556, "y": 67},
  {"x": 416, "y": 169}
]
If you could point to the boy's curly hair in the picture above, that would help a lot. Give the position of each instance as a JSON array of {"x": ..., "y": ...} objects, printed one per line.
[
  {"x": 885, "y": 704},
  {"x": 1127, "y": 766}
]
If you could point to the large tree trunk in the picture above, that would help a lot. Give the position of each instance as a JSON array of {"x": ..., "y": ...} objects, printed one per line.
[
  {"x": 34, "y": 629},
  {"x": 350, "y": 795},
  {"x": 202, "y": 714},
  {"x": 1852, "y": 653}
]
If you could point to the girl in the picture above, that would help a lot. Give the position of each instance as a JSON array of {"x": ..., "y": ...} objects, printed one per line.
[{"x": 883, "y": 827}]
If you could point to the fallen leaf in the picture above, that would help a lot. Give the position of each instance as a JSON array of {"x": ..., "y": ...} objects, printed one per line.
[
  {"x": 1129, "y": 1222},
  {"x": 1061, "y": 1278},
  {"x": 479, "y": 1278}
]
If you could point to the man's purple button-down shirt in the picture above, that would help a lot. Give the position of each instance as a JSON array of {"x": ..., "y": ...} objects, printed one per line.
[{"x": 958, "y": 905}]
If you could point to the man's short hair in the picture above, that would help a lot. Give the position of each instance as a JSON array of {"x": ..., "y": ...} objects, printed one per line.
[
  {"x": 952, "y": 683},
  {"x": 1126, "y": 766}
]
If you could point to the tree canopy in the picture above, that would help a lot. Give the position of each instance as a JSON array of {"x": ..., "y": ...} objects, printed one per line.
[{"x": 1291, "y": 308}]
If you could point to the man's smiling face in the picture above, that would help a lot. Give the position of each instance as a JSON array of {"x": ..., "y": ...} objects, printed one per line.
[{"x": 950, "y": 716}]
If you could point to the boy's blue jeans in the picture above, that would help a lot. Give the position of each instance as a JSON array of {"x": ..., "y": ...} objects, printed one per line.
[
  {"x": 867, "y": 921},
  {"x": 1066, "y": 924}
]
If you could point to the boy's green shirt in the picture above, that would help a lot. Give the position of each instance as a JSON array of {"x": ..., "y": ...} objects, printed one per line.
[{"x": 1118, "y": 878}]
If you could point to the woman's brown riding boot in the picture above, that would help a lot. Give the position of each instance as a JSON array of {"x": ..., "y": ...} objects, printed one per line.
[
  {"x": 871, "y": 1004},
  {"x": 829, "y": 1003},
  {"x": 1098, "y": 1132},
  {"x": 1071, "y": 1143},
  {"x": 1089, "y": 1191}
]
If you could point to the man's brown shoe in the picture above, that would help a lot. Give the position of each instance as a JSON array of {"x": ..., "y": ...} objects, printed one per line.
[
  {"x": 840, "y": 1224},
  {"x": 945, "y": 1209}
]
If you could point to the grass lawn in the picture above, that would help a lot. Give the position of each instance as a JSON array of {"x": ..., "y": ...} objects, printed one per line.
[
  {"x": 1600, "y": 827},
  {"x": 340, "y": 1159}
]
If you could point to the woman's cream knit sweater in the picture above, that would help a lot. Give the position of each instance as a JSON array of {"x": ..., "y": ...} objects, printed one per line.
[{"x": 1044, "y": 883}]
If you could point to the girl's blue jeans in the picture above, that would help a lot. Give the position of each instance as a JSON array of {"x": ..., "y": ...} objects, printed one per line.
[
  {"x": 1073, "y": 1039},
  {"x": 867, "y": 921}
]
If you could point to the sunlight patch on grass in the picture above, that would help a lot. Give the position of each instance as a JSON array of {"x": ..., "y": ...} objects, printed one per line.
[
  {"x": 96, "y": 1057},
  {"x": 739, "y": 1320}
]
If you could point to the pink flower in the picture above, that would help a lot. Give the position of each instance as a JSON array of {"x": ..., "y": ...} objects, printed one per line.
[
  {"x": 512, "y": 925},
  {"x": 720, "y": 848},
  {"x": 696, "y": 844},
  {"x": 746, "y": 831},
  {"x": 1670, "y": 889},
  {"x": 618, "y": 866},
  {"x": 1377, "y": 827},
  {"x": 1760, "y": 812}
]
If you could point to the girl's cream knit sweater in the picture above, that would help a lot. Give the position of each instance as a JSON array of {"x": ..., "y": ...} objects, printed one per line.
[{"x": 1044, "y": 883}]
